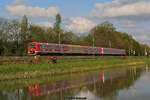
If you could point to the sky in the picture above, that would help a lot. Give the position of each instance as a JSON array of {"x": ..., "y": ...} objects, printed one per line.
[{"x": 79, "y": 16}]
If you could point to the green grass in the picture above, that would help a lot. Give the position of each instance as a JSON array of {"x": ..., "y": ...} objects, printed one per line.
[{"x": 64, "y": 66}]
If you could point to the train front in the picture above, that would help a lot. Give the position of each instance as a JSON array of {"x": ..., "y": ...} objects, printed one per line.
[{"x": 32, "y": 48}]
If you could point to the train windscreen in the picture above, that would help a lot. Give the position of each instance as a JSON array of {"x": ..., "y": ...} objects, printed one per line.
[{"x": 32, "y": 45}]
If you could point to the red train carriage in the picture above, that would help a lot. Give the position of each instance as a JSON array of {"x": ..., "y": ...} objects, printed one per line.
[{"x": 36, "y": 48}]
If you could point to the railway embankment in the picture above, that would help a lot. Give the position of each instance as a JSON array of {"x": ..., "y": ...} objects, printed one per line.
[{"x": 13, "y": 71}]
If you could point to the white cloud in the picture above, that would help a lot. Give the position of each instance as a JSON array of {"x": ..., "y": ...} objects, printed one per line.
[
  {"x": 128, "y": 1},
  {"x": 131, "y": 16},
  {"x": 79, "y": 25},
  {"x": 19, "y": 9},
  {"x": 118, "y": 9},
  {"x": 45, "y": 24}
]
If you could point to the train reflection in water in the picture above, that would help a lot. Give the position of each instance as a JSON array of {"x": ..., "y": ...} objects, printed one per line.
[{"x": 100, "y": 83}]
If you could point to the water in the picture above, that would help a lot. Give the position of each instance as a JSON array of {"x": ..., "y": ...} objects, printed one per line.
[{"x": 111, "y": 84}]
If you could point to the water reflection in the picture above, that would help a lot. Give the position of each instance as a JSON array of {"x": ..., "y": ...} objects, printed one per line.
[{"x": 100, "y": 85}]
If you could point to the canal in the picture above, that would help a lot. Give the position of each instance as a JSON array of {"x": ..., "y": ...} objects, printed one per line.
[{"x": 132, "y": 83}]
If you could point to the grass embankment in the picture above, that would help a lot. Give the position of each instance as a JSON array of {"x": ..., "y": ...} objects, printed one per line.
[{"x": 65, "y": 66}]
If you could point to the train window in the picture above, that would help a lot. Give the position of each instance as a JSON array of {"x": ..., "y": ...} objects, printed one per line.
[
  {"x": 43, "y": 46},
  {"x": 32, "y": 45}
]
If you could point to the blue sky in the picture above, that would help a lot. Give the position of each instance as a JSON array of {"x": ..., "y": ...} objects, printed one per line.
[
  {"x": 79, "y": 16},
  {"x": 67, "y": 7}
]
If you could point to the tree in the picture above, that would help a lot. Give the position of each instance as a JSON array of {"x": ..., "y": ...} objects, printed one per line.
[
  {"x": 103, "y": 34},
  {"x": 24, "y": 24},
  {"x": 10, "y": 37},
  {"x": 24, "y": 29},
  {"x": 15, "y": 35},
  {"x": 50, "y": 35},
  {"x": 107, "y": 26},
  {"x": 69, "y": 38},
  {"x": 13, "y": 38},
  {"x": 37, "y": 33},
  {"x": 57, "y": 27},
  {"x": 25, "y": 34}
]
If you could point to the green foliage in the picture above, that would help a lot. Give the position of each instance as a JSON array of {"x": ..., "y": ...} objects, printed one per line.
[
  {"x": 57, "y": 28},
  {"x": 69, "y": 38},
  {"x": 50, "y": 35},
  {"x": 15, "y": 35},
  {"x": 57, "y": 23},
  {"x": 10, "y": 37},
  {"x": 25, "y": 34},
  {"x": 24, "y": 24},
  {"x": 37, "y": 33},
  {"x": 105, "y": 35}
]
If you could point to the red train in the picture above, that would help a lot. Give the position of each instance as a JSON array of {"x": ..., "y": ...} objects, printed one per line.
[{"x": 37, "y": 48}]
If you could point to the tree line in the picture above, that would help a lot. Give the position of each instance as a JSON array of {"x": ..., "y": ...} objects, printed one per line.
[{"x": 15, "y": 35}]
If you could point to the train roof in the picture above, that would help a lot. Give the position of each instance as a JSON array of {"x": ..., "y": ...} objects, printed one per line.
[{"x": 73, "y": 45}]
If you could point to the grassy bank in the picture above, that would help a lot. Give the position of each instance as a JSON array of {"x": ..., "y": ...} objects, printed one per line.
[{"x": 65, "y": 66}]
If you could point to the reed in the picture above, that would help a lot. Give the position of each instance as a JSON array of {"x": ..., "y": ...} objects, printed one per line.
[{"x": 65, "y": 66}]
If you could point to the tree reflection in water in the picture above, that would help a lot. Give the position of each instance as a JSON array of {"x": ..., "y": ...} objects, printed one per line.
[
  {"x": 92, "y": 86},
  {"x": 99, "y": 85}
]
